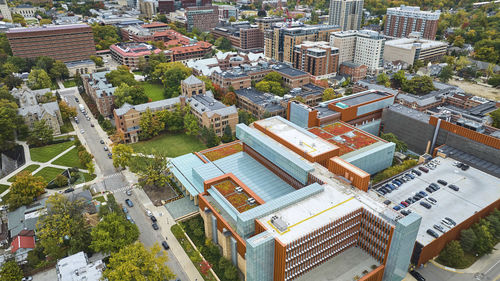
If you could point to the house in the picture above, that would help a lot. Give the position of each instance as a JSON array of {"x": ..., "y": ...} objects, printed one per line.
[
  {"x": 22, "y": 244},
  {"x": 25, "y": 217},
  {"x": 78, "y": 267}
]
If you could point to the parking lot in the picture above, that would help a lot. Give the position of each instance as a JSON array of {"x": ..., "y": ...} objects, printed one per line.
[{"x": 476, "y": 191}]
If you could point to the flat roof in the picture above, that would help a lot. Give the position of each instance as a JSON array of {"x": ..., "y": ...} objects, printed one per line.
[
  {"x": 311, "y": 213},
  {"x": 477, "y": 190},
  {"x": 47, "y": 28},
  {"x": 363, "y": 97},
  {"x": 298, "y": 137}
]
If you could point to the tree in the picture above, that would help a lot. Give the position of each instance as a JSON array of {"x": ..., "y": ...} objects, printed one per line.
[
  {"x": 83, "y": 156},
  {"x": 150, "y": 124},
  {"x": 98, "y": 60},
  {"x": 400, "y": 145},
  {"x": 245, "y": 117},
  {"x": 461, "y": 63},
  {"x": 59, "y": 70},
  {"x": 66, "y": 110},
  {"x": 120, "y": 76},
  {"x": 41, "y": 134},
  {"x": 171, "y": 74},
  {"x": 232, "y": 19},
  {"x": 419, "y": 85},
  {"x": 228, "y": 134},
  {"x": 446, "y": 74},
  {"x": 468, "y": 240},
  {"x": 134, "y": 262},
  {"x": 209, "y": 86},
  {"x": 11, "y": 271},
  {"x": 329, "y": 94},
  {"x": 494, "y": 225},
  {"x": 459, "y": 41},
  {"x": 122, "y": 154},
  {"x": 130, "y": 94},
  {"x": 273, "y": 76},
  {"x": 45, "y": 21},
  {"x": 105, "y": 36},
  {"x": 348, "y": 91},
  {"x": 63, "y": 231},
  {"x": 153, "y": 170},
  {"x": 17, "y": 18},
  {"x": 484, "y": 242},
  {"x": 383, "y": 79},
  {"x": 486, "y": 54},
  {"x": 191, "y": 125},
  {"x": 24, "y": 188},
  {"x": 230, "y": 98},
  {"x": 223, "y": 44},
  {"x": 210, "y": 137},
  {"x": 452, "y": 255},
  {"x": 5, "y": 94},
  {"x": 38, "y": 79},
  {"x": 9, "y": 122},
  {"x": 12, "y": 81},
  {"x": 60, "y": 180},
  {"x": 495, "y": 115},
  {"x": 44, "y": 62},
  {"x": 399, "y": 78},
  {"x": 416, "y": 66},
  {"x": 175, "y": 119},
  {"x": 113, "y": 233}
]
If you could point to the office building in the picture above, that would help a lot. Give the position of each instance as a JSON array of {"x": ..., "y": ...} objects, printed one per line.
[
  {"x": 280, "y": 39},
  {"x": 227, "y": 11},
  {"x": 129, "y": 53},
  {"x": 168, "y": 6},
  {"x": 78, "y": 267},
  {"x": 401, "y": 21},
  {"x": 243, "y": 36},
  {"x": 60, "y": 42},
  {"x": 204, "y": 18},
  {"x": 317, "y": 58},
  {"x": 267, "y": 22},
  {"x": 346, "y": 13},
  {"x": 148, "y": 8},
  {"x": 409, "y": 50},
  {"x": 101, "y": 91},
  {"x": 364, "y": 47}
]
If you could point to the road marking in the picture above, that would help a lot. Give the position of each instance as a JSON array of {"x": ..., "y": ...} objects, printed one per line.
[{"x": 486, "y": 272}]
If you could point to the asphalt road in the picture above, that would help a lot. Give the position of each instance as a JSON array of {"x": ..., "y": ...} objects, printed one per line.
[{"x": 434, "y": 273}]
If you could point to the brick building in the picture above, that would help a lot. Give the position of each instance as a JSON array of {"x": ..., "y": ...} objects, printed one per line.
[
  {"x": 168, "y": 6},
  {"x": 401, "y": 21},
  {"x": 354, "y": 70},
  {"x": 204, "y": 18},
  {"x": 101, "y": 91},
  {"x": 317, "y": 58},
  {"x": 129, "y": 53},
  {"x": 61, "y": 42},
  {"x": 243, "y": 36}
]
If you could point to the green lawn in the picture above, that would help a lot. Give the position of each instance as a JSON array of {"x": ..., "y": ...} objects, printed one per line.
[
  {"x": 69, "y": 83},
  {"x": 67, "y": 127},
  {"x": 30, "y": 169},
  {"x": 45, "y": 153},
  {"x": 137, "y": 72},
  {"x": 49, "y": 173},
  {"x": 3, "y": 187},
  {"x": 170, "y": 145},
  {"x": 153, "y": 91},
  {"x": 69, "y": 159},
  {"x": 85, "y": 177},
  {"x": 100, "y": 199},
  {"x": 54, "y": 86}
]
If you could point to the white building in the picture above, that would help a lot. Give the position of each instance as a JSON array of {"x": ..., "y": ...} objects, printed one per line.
[
  {"x": 26, "y": 10},
  {"x": 4, "y": 10},
  {"x": 363, "y": 47},
  {"x": 410, "y": 49},
  {"x": 78, "y": 268},
  {"x": 346, "y": 13}
]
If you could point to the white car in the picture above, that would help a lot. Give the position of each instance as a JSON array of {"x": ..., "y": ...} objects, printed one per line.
[
  {"x": 149, "y": 213},
  {"x": 82, "y": 131}
]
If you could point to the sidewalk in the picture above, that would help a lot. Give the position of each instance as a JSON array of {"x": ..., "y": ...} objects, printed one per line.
[{"x": 166, "y": 221}]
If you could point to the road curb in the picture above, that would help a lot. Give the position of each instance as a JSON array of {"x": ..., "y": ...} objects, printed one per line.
[{"x": 450, "y": 269}]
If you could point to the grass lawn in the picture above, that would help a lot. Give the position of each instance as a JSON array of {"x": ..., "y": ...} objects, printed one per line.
[
  {"x": 30, "y": 169},
  {"x": 45, "y": 153},
  {"x": 69, "y": 83},
  {"x": 5, "y": 198},
  {"x": 100, "y": 199},
  {"x": 49, "y": 173},
  {"x": 3, "y": 187},
  {"x": 171, "y": 145},
  {"x": 153, "y": 91},
  {"x": 67, "y": 127},
  {"x": 85, "y": 177},
  {"x": 69, "y": 159},
  {"x": 137, "y": 72},
  {"x": 54, "y": 86}
]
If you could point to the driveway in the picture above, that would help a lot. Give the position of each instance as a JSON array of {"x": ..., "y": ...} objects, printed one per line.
[{"x": 48, "y": 275}]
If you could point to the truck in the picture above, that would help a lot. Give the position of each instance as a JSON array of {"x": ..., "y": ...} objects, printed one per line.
[{"x": 82, "y": 108}]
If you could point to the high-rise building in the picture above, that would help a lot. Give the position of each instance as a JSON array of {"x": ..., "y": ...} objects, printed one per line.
[
  {"x": 243, "y": 36},
  {"x": 62, "y": 42},
  {"x": 346, "y": 13},
  {"x": 401, "y": 21},
  {"x": 317, "y": 58},
  {"x": 148, "y": 8},
  {"x": 364, "y": 47},
  {"x": 203, "y": 18},
  {"x": 280, "y": 40}
]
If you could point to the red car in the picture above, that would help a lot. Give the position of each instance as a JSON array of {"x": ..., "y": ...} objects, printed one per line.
[{"x": 405, "y": 204}]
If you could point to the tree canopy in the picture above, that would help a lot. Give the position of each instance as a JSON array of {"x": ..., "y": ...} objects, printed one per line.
[
  {"x": 122, "y": 154},
  {"x": 9, "y": 122},
  {"x": 25, "y": 188},
  {"x": 121, "y": 75},
  {"x": 39, "y": 79},
  {"x": 41, "y": 134},
  {"x": 10, "y": 271},
  {"x": 113, "y": 233},
  {"x": 105, "y": 36},
  {"x": 329, "y": 94},
  {"x": 171, "y": 74},
  {"x": 130, "y": 94},
  {"x": 419, "y": 85},
  {"x": 400, "y": 145}
]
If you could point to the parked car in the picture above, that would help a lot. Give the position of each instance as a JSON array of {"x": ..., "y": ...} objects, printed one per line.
[
  {"x": 465, "y": 167},
  {"x": 423, "y": 193},
  {"x": 105, "y": 148},
  {"x": 454, "y": 187},
  {"x": 76, "y": 99},
  {"x": 149, "y": 213},
  {"x": 396, "y": 183},
  {"x": 92, "y": 125},
  {"x": 155, "y": 226},
  {"x": 432, "y": 199},
  {"x": 28, "y": 278},
  {"x": 451, "y": 221},
  {"x": 128, "y": 192},
  {"x": 430, "y": 190},
  {"x": 423, "y": 169},
  {"x": 432, "y": 233},
  {"x": 101, "y": 142},
  {"x": 417, "y": 275},
  {"x": 410, "y": 175},
  {"x": 110, "y": 155},
  {"x": 405, "y": 204},
  {"x": 125, "y": 210},
  {"x": 439, "y": 228},
  {"x": 82, "y": 131},
  {"x": 428, "y": 200},
  {"x": 387, "y": 202},
  {"x": 129, "y": 202},
  {"x": 69, "y": 190},
  {"x": 442, "y": 182},
  {"x": 446, "y": 223},
  {"x": 425, "y": 204},
  {"x": 397, "y": 208},
  {"x": 165, "y": 245},
  {"x": 416, "y": 172},
  {"x": 153, "y": 218}
]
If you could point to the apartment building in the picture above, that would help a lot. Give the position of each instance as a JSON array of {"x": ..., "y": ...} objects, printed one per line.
[
  {"x": 148, "y": 8},
  {"x": 403, "y": 20},
  {"x": 411, "y": 49},
  {"x": 243, "y": 36},
  {"x": 129, "y": 53},
  {"x": 168, "y": 6},
  {"x": 346, "y": 13},
  {"x": 101, "y": 91},
  {"x": 280, "y": 40},
  {"x": 317, "y": 58},
  {"x": 211, "y": 113},
  {"x": 156, "y": 26},
  {"x": 268, "y": 22},
  {"x": 354, "y": 70},
  {"x": 60, "y": 42},
  {"x": 363, "y": 47},
  {"x": 204, "y": 18}
]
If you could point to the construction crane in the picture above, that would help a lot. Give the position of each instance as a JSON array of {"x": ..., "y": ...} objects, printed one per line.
[{"x": 288, "y": 18}]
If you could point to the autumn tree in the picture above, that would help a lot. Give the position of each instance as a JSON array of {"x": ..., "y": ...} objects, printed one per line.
[
  {"x": 122, "y": 154},
  {"x": 60, "y": 180},
  {"x": 150, "y": 124},
  {"x": 10, "y": 271},
  {"x": 66, "y": 110},
  {"x": 329, "y": 94},
  {"x": 24, "y": 188},
  {"x": 230, "y": 98},
  {"x": 134, "y": 261},
  {"x": 113, "y": 233},
  {"x": 38, "y": 79}
]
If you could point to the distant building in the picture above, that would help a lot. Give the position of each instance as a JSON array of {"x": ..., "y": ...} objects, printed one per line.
[
  {"x": 401, "y": 21},
  {"x": 195, "y": 50},
  {"x": 5, "y": 11},
  {"x": 80, "y": 67},
  {"x": 168, "y": 6},
  {"x": 148, "y": 8},
  {"x": 52, "y": 41},
  {"x": 267, "y": 22},
  {"x": 354, "y": 70},
  {"x": 203, "y": 18},
  {"x": 227, "y": 11},
  {"x": 317, "y": 58},
  {"x": 411, "y": 49},
  {"x": 129, "y": 53},
  {"x": 243, "y": 36},
  {"x": 346, "y": 13},
  {"x": 37, "y": 2},
  {"x": 101, "y": 91},
  {"x": 224, "y": 61},
  {"x": 78, "y": 267},
  {"x": 26, "y": 10}
]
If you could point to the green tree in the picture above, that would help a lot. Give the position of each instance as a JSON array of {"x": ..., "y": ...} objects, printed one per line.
[
  {"x": 150, "y": 124},
  {"x": 134, "y": 262},
  {"x": 122, "y": 155},
  {"x": 348, "y": 91},
  {"x": 44, "y": 62},
  {"x": 273, "y": 76},
  {"x": 61, "y": 180},
  {"x": 98, "y": 60},
  {"x": 41, "y": 134},
  {"x": 59, "y": 70},
  {"x": 5, "y": 94},
  {"x": 120, "y": 76},
  {"x": 17, "y": 18},
  {"x": 66, "y": 110},
  {"x": 487, "y": 54},
  {"x": 130, "y": 94},
  {"x": 175, "y": 119},
  {"x": 245, "y": 117},
  {"x": 209, "y": 86},
  {"x": 12, "y": 81},
  {"x": 400, "y": 145},
  {"x": 223, "y": 44},
  {"x": 419, "y": 85},
  {"x": 485, "y": 242},
  {"x": 191, "y": 125},
  {"x": 105, "y": 36},
  {"x": 153, "y": 170},
  {"x": 329, "y": 94},
  {"x": 228, "y": 134},
  {"x": 38, "y": 79},
  {"x": 494, "y": 225},
  {"x": 210, "y": 137},
  {"x": 11, "y": 271},
  {"x": 452, "y": 255},
  {"x": 171, "y": 74},
  {"x": 24, "y": 188},
  {"x": 446, "y": 74},
  {"x": 9, "y": 122},
  {"x": 494, "y": 80},
  {"x": 461, "y": 63},
  {"x": 416, "y": 66},
  {"x": 459, "y": 41},
  {"x": 399, "y": 78},
  {"x": 468, "y": 240},
  {"x": 84, "y": 156},
  {"x": 113, "y": 233},
  {"x": 232, "y": 19},
  {"x": 45, "y": 21},
  {"x": 383, "y": 79}
]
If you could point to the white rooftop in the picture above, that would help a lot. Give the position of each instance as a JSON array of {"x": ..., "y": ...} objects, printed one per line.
[
  {"x": 77, "y": 268},
  {"x": 296, "y": 136},
  {"x": 408, "y": 43},
  {"x": 312, "y": 213}
]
